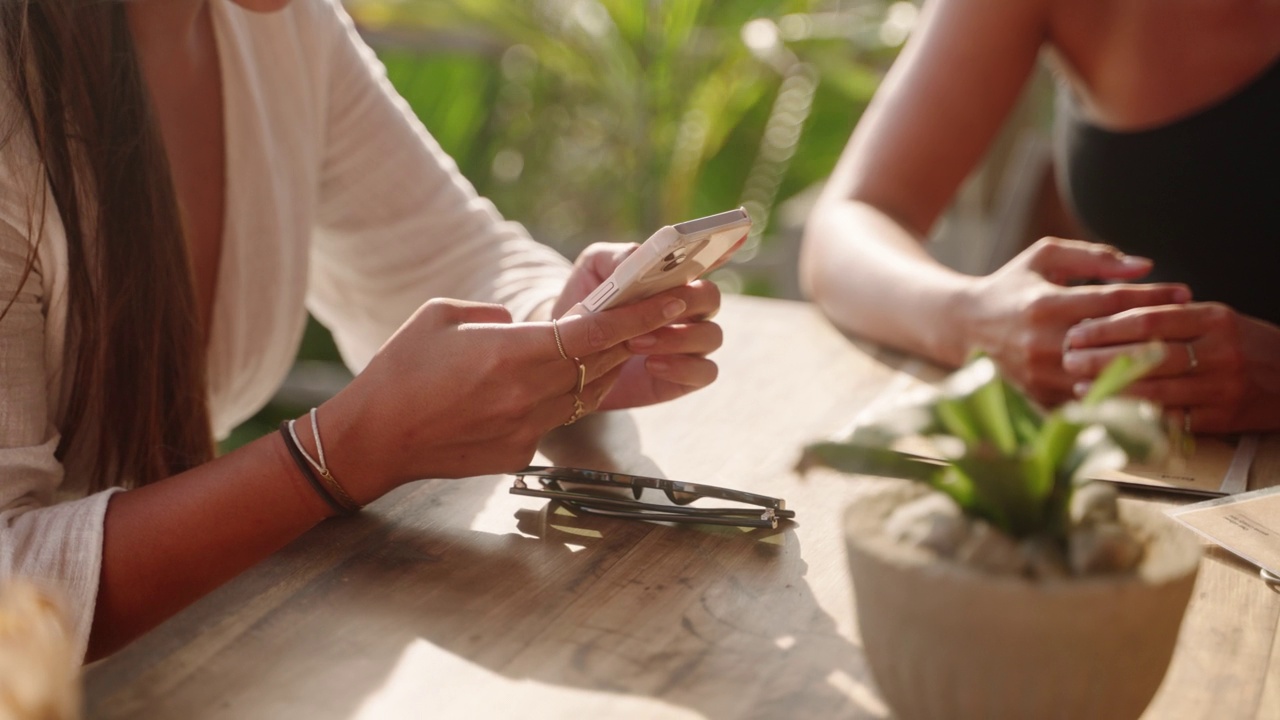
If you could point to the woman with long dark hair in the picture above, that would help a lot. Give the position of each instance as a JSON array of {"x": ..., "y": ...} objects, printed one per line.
[{"x": 180, "y": 180}]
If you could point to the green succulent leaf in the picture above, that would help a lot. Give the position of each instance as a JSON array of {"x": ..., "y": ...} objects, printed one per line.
[
  {"x": 957, "y": 419},
  {"x": 1027, "y": 418},
  {"x": 1123, "y": 371},
  {"x": 869, "y": 460},
  {"x": 1049, "y": 450},
  {"x": 958, "y": 486},
  {"x": 1132, "y": 425},
  {"x": 966, "y": 381},
  {"x": 1001, "y": 494},
  {"x": 1094, "y": 452},
  {"x": 991, "y": 408},
  {"x": 1007, "y": 461}
]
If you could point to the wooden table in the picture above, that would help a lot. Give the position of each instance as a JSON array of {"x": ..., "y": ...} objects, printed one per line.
[{"x": 454, "y": 599}]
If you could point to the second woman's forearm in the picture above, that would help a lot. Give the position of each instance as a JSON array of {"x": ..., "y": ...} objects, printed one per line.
[{"x": 872, "y": 277}]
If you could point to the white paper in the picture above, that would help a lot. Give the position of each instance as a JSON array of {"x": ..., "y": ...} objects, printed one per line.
[{"x": 1247, "y": 524}]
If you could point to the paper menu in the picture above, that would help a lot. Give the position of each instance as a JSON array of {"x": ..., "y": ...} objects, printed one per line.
[
  {"x": 1216, "y": 466},
  {"x": 1247, "y": 524}
]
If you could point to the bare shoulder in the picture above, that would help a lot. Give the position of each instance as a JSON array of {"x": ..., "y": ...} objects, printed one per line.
[
  {"x": 1137, "y": 63},
  {"x": 943, "y": 101}
]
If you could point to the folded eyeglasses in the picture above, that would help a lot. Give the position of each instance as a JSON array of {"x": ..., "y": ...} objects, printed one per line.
[{"x": 588, "y": 492}]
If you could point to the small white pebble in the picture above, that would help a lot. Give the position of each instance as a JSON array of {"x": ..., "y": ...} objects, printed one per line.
[
  {"x": 991, "y": 550},
  {"x": 1095, "y": 502},
  {"x": 931, "y": 521},
  {"x": 1103, "y": 548}
]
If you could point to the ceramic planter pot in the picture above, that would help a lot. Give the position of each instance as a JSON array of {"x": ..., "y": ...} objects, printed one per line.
[{"x": 947, "y": 641}]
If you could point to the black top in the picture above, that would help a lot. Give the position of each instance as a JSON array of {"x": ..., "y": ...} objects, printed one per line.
[{"x": 1200, "y": 196}]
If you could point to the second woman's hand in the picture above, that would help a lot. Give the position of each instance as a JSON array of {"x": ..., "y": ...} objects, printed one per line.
[
  {"x": 1020, "y": 314},
  {"x": 1221, "y": 371}
]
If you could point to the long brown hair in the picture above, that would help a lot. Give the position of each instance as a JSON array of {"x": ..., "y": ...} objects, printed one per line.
[{"x": 135, "y": 348}]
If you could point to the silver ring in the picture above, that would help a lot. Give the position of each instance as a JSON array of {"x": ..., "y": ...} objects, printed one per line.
[
  {"x": 1192, "y": 361},
  {"x": 555, "y": 329}
]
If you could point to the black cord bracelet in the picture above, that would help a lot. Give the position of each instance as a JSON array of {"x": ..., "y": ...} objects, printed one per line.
[{"x": 307, "y": 473}]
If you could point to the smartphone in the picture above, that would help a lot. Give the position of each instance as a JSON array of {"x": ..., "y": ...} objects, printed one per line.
[{"x": 671, "y": 257}]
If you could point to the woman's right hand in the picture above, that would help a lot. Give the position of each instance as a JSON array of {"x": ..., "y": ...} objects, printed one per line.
[
  {"x": 461, "y": 390},
  {"x": 1020, "y": 314}
]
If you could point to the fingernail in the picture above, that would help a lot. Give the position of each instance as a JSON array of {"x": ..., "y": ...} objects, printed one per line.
[
  {"x": 1073, "y": 362},
  {"x": 1134, "y": 261},
  {"x": 673, "y": 308},
  {"x": 658, "y": 365},
  {"x": 1181, "y": 295},
  {"x": 643, "y": 341},
  {"x": 1080, "y": 389}
]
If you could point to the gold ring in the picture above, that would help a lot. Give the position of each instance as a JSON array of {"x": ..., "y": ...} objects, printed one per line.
[
  {"x": 555, "y": 328},
  {"x": 578, "y": 410},
  {"x": 1192, "y": 361},
  {"x": 582, "y": 376}
]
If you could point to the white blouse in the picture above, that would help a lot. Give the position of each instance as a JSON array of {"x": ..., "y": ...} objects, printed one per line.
[{"x": 338, "y": 201}]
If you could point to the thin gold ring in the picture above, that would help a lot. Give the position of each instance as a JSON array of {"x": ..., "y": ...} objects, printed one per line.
[
  {"x": 555, "y": 329},
  {"x": 1193, "y": 362},
  {"x": 579, "y": 409}
]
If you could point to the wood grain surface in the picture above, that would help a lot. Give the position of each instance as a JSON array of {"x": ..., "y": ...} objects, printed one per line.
[{"x": 455, "y": 599}]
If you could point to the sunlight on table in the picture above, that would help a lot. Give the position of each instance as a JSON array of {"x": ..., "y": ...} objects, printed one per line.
[{"x": 413, "y": 690}]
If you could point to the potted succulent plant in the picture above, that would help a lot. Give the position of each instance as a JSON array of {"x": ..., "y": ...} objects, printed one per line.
[{"x": 999, "y": 582}]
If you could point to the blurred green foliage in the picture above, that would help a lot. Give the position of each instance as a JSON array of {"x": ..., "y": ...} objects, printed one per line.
[
  {"x": 593, "y": 120},
  {"x": 602, "y": 120},
  {"x": 317, "y": 347}
]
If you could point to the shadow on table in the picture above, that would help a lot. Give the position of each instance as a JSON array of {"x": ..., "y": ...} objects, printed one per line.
[
  {"x": 717, "y": 620},
  {"x": 724, "y": 626}
]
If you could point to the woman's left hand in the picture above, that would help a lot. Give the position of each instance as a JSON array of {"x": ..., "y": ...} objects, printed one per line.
[
  {"x": 1221, "y": 368},
  {"x": 669, "y": 362}
]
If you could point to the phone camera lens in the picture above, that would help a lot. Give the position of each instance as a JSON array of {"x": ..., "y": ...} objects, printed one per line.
[{"x": 674, "y": 258}]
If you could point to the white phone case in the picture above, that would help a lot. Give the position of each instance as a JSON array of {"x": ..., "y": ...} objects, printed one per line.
[{"x": 671, "y": 257}]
